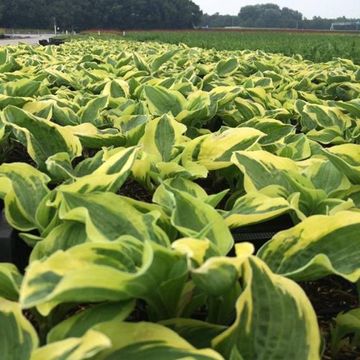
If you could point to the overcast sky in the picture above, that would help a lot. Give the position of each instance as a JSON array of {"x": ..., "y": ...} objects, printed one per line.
[{"x": 309, "y": 8}]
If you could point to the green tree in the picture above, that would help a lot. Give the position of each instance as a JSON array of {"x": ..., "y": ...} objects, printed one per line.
[
  {"x": 90, "y": 14},
  {"x": 267, "y": 15}
]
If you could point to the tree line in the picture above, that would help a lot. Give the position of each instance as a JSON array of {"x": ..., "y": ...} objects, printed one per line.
[
  {"x": 145, "y": 14},
  {"x": 99, "y": 14},
  {"x": 269, "y": 16}
]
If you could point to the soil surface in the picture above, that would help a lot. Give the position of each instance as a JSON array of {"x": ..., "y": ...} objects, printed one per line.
[
  {"x": 329, "y": 297},
  {"x": 136, "y": 191}
]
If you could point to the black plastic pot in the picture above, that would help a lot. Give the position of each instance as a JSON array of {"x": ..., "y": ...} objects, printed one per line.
[
  {"x": 51, "y": 41},
  {"x": 56, "y": 41},
  {"x": 44, "y": 42},
  {"x": 259, "y": 234}
]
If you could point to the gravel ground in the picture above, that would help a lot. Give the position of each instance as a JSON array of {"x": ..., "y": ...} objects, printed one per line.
[{"x": 24, "y": 38}]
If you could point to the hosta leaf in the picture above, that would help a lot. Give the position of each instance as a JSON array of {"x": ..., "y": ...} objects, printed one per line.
[
  {"x": 142, "y": 169},
  {"x": 161, "y": 100},
  {"x": 41, "y": 109},
  {"x": 20, "y": 88},
  {"x": 109, "y": 176},
  {"x": 170, "y": 170},
  {"x": 353, "y": 107},
  {"x": 149, "y": 341},
  {"x": 266, "y": 172},
  {"x": 248, "y": 109},
  {"x": 255, "y": 207},
  {"x": 92, "y": 343},
  {"x": 346, "y": 325},
  {"x": 63, "y": 78},
  {"x": 61, "y": 277},
  {"x": 318, "y": 116},
  {"x": 79, "y": 324},
  {"x": 193, "y": 218},
  {"x": 352, "y": 193},
  {"x": 8, "y": 62},
  {"x": 17, "y": 336},
  {"x": 318, "y": 246},
  {"x": 259, "y": 95},
  {"x": 274, "y": 319},
  {"x": 162, "y": 197},
  {"x": 262, "y": 169},
  {"x": 223, "y": 95},
  {"x": 275, "y": 130},
  {"x": 57, "y": 237},
  {"x": 197, "y": 333},
  {"x": 64, "y": 115},
  {"x": 3, "y": 56},
  {"x": 116, "y": 88},
  {"x": 161, "y": 135},
  {"x": 10, "y": 281},
  {"x": 94, "y": 138},
  {"x": 162, "y": 59},
  {"x": 296, "y": 147},
  {"x": 131, "y": 269},
  {"x": 214, "y": 151},
  {"x": 226, "y": 67},
  {"x": 89, "y": 165},
  {"x": 107, "y": 216},
  {"x": 194, "y": 249},
  {"x": 31, "y": 132},
  {"x": 219, "y": 275},
  {"x": 22, "y": 188},
  {"x": 346, "y": 158},
  {"x": 140, "y": 63},
  {"x": 330, "y": 135},
  {"x": 91, "y": 112},
  {"x": 200, "y": 108},
  {"x": 12, "y": 100},
  {"x": 132, "y": 126},
  {"x": 59, "y": 167},
  {"x": 324, "y": 175}
]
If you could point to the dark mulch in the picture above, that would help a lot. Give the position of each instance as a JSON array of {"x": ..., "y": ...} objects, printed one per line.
[
  {"x": 329, "y": 297},
  {"x": 12, "y": 151},
  {"x": 136, "y": 191}
]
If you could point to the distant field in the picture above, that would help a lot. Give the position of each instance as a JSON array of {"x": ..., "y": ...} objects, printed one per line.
[
  {"x": 314, "y": 46},
  {"x": 27, "y": 31}
]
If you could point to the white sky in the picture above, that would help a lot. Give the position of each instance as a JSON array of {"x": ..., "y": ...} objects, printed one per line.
[{"x": 309, "y": 8}]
